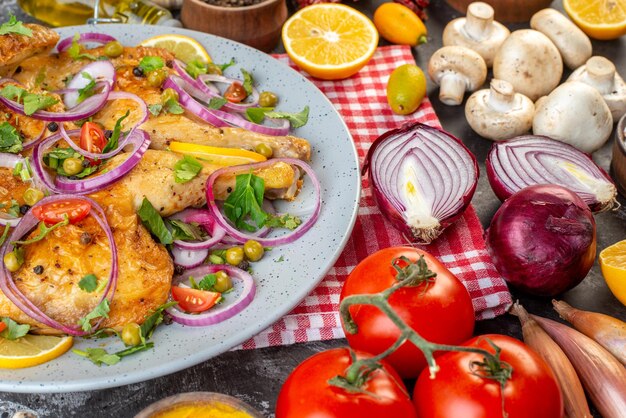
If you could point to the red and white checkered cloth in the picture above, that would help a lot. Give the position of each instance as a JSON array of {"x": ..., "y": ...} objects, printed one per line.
[{"x": 362, "y": 102}]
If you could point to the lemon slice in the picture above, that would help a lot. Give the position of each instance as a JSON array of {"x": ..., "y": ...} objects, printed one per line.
[
  {"x": 217, "y": 155},
  {"x": 32, "y": 350},
  {"x": 613, "y": 266},
  {"x": 600, "y": 19},
  {"x": 183, "y": 47},
  {"x": 330, "y": 41}
]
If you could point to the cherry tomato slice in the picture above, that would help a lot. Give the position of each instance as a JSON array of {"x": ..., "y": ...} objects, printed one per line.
[
  {"x": 194, "y": 300},
  {"x": 3, "y": 326},
  {"x": 235, "y": 93},
  {"x": 52, "y": 213}
]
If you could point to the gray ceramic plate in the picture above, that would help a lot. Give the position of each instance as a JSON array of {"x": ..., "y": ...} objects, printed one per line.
[{"x": 280, "y": 285}]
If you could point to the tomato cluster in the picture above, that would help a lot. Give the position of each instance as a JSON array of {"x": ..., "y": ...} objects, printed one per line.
[{"x": 440, "y": 310}]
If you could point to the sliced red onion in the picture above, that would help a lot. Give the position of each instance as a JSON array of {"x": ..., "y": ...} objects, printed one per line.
[
  {"x": 191, "y": 104},
  {"x": 242, "y": 237},
  {"x": 423, "y": 179},
  {"x": 98, "y": 38},
  {"x": 189, "y": 258},
  {"x": 199, "y": 216},
  {"x": 180, "y": 68},
  {"x": 529, "y": 159},
  {"x": 234, "y": 119},
  {"x": 253, "y": 100},
  {"x": 140, "y": 141},
  {"x": 220, "y": 312},
  {"x": 268, "y": 207},
  {"x": 98, "y": 71},
  {"x": 15, "y": 295},
  {"x": 217, "y": 234},
  {"x": 8, "y": 160},
  {"x": 85, "y": 109}
]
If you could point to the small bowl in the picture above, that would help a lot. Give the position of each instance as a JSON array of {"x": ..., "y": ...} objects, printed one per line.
[
  {"x": 258, "y": 25},
  {"x": 507, "y": 10},
  {"x": 196, "y": 398},
  {"x": 618, "y": 161}
]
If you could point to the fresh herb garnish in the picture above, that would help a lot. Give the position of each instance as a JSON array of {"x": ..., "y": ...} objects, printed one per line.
[
  {"x": 88, "y": 283},
  {"x": 87, "y": 91},
  {"x": 15, "y": 26},
  {"x": 43, "y": 231},
  {"x": 207, "y": 282},
  {"x": 171, "y": 106},
  {"x": 98, "y": 356},
  {"x": 32, "y": 102},
  {"x": 41, "y": 76},
  {"x": 195, "y": 68},
  {"x": 248, "y": 81},
  {"x": 54, "y": 159},
  {"x": 10, "y": 140},
  {"x": 13, "y": 331},
  {"x": 152, "y": 321},
  {"x": 14, "y": 209},
  {"x": 297, "y": 120},
  {"x": 155, "y": 109},
  {"x": 113, "y": 142},
  {"x": 186, "y": 232},
  {"x": 4, "y": 235},
  {"x": 257, "y": 114},
  {"x": 283, "y": 221},
  {"x": 222, "y": 67},
  {"x": 148, "y": 64},
  {"x": 216, "y": 103},
  {"x": 74, "y": 51},
  {"x": 153, "y": 221},
  {"x": 100, "y": 311},
  {"x": 186, "y": 169},
  {"x": 280, "y": 259},
  {"x": 245, "y": 201}
]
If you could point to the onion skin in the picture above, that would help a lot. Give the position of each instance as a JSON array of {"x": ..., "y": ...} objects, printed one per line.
[
  {"x": 542, "y": 240},
  {"x": 607, "y": 331},
  {"x": 574, "y": 399},
  {"x": 602, "y": 375}
]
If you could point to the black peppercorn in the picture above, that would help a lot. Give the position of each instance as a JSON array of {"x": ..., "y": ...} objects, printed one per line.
[
  {"x": 53, "y": 126},
  {"x": 85, "y": 238},
  {"x": 85, "y": 163},
  {"x": 244, "y": 265},
  {"x": 137, "y": 72},
  {"x": 24, "y": 209},
  {"x": 178, "y": 270},
  {"x": 38, "y": 269},
  {"x": 108, "y": 134}
]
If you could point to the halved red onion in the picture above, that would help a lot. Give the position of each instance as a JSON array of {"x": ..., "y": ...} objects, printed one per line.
[
  {"x": 242, "y": 237},
  {"x": 189, "y": 103},
  {"x": 220, "y": 312},
  {"x": 423, "y": 178},
  {"x": 189, "y": 258},
  {"x": 15, "y": 295},
  {"x": 138, "y": 138},
  {"x": 530, "y": 159},
  {"x": 85, "y": 109},
  {"x": 97, "y": 38},
  {"x": 98, "y": 71},
  {"x": 8, "y": 160}
]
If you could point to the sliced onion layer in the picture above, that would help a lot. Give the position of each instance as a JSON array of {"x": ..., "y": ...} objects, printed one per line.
[
  {"x": 94, "y": 37},
  {"x": 189, "y": 258},
  {"x": 15, "y": 295},
  {"x": 221, "y": 312},
  {"x": 242, "y": 237},
  {"x": 97, "y": 71},
  {"x": 423, "y": 179},
  {"x": 189, "y": 103},
  {"x": 530, "y": 160}
]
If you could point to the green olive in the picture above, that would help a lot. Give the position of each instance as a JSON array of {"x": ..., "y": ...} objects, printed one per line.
[
  {"x": 223, "y": 283},
  {"x": 234, "y": 255},
  {"x": 213, "y": 69},
  {"x": 267, "y": 99},
  {"x": 32, "y": 196},
  {"x": 113, "y": 49},
  {"x": 131, "y": 334},
  {"x": 157, "y": 77},
  {"x": 12, "y": 262},
  {"x": 265, "y": 150},
  {"x": 169, "y": 94},
  {"x": 72, "y": 166},
  {"x": 253, "y": 250}
]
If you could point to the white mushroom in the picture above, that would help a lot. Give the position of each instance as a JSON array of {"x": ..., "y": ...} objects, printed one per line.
[
  {"x": 529, "y": 61},
  {"x": 499, "y": 113},
  {"x": 574, "y": 113},
  {"x": 477, "y": 31},
  {"x": 572, "y": 43},
  {"x": 600, "y": 73},
  {"x": 456, "y": 69}
]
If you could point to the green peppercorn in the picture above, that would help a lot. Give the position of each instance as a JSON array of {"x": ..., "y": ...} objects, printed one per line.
[
  {"x": 268, "y": 99},
  {"x": 169, "y": 94},
  {"x": 131, "y": 334},
  {"x": 265, "y": 150},
  {"x": 216, "y": 259},
  {"x": 72, "y": 166},
  {"x": 253, "y": 250},
  {"x": 12, "y": 262},
  {"x": 113, "y": 49},
  {"x": 234, "y": 255},
  {"x": 213, "y": 69},
  {"x": 223, "y": 283},
  {"x": 157, "y": 77},
  {"x": 32, "y": 196}
]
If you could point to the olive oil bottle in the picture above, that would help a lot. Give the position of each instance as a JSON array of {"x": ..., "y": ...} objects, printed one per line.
[{"x": 78, "y": 12}]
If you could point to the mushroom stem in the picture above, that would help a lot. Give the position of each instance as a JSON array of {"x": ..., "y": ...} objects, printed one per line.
[
  {"x": 501, "y": 95},
  {"x": 452, "y": 89},
  {"x": 602, "y": 72},
  {"x": 479, "y": 20}
]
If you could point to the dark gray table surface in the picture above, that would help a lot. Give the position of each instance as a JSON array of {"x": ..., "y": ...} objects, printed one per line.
[{"x": 255, "y": 376}]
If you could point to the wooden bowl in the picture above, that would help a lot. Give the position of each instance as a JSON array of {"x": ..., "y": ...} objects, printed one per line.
[
  {"x": 507, "y": 10},
  {"x": 258, "y": 25}
]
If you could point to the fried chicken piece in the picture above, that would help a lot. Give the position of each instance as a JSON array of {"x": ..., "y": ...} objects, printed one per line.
[{"x": 16, "y": 48}]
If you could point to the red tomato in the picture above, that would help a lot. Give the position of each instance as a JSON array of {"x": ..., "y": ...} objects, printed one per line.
[
  {"x": 3, "y": 326},
  {"x": 532, "y": 391},
  {"x": 235, "y": 93},
  {"x": 441, "y": 311},
  {"x": 307, "y": 394},
  {"x": 92, "y": 137},
  {"x": 52, "y": 213},
  {"x": 194, "y": 300}
]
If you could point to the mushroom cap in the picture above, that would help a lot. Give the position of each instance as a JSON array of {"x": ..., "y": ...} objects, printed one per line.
[
  {"x": 499, "y": 113},
  {"x": 574, "y": 113},
  {"x": 530, "y": 61},
  {"x": 461, "y": 61}
]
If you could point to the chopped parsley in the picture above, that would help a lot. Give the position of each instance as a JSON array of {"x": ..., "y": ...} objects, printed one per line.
[
  {"x": 14, "y": 209},
  {"x": 10, "y": 140},
  {"x": 113, "y": 142},
  {"x": 153, "y": 221},
  {"x": 248, "y": 81},
  {"x": 186, "y": 231},
  {"x": 13, "y": 331},
  {"x": 148, "y": 64},
  {"x": 74, "y": 51},
  {"x": 32, "y": 102},
  {"x": 280, "y": 259},
  {"x": 44, "y": 230},
  {"x": 186, "y": 169},
  {"x": 216, "y": 103},
  {"x": 54, "y": 159},
  {"x": 297, "y": 120},
  {"x": 155, "y": 109},
  {"x": 4, "y": 235},
  {"x": 15, "y": 26},
  {"x": 196, "y": 68},
  {"x": 171, "y": 106},
  {"x": 283, "y": 221},
  {"x": 100, "y": 311},
  {"x": 98, "y": 356},
  {"x": 88, "y": 283},
  {"x": 89, "y": 89}
]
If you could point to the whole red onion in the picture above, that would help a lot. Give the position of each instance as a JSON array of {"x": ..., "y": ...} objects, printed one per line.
[{"x": 543, "y": 240}]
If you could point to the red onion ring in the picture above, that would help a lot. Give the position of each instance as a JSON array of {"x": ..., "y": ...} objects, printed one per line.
[
  {"x": 98, "y": 38},
  {"x": 217, "y": 234},
  {"x": 189, "y": 258},
  {"x": 99, "y": 71},
  {"x": 268, "y": 207},
  {"x": 267, "y": 242},
  {"x": 191, "y": 104},
  {"x": 220, "y": 312},
  {"x": 181, "y": 67},
  {"x": 236, "y": 120},
  {"x": 235, "y": 107},
  {"x": 15, "y": 295}
]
